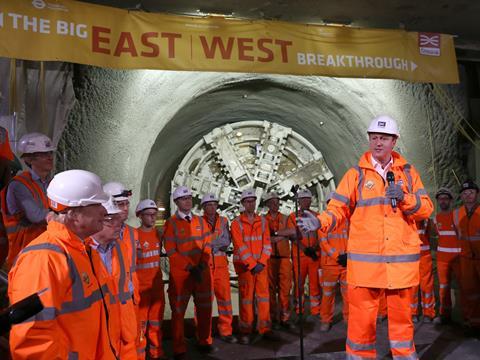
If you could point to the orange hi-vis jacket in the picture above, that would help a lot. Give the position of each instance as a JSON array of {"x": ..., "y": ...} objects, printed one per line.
[
  {"x": 333, "y": 244},
  {"x": 5, "y": 149},
  {"x": 128, "y": 241},
  {"x": 423, "y": 234},
  {"x": 122, "y": 319},
  {"x": 383, "y": 245},
  {"x": 148, "y": 255},
  {"x": 251, "y": 242},
  {"x": 449, "y": 247},
  {"x": 21, "y": 232},
  {"x": 280, "y": 249},
  {"x": 309, "y": 239},
  {"x": 219, "y": 233},
  {"x": 72, "y": 324},
  {"x": 468, "y": 228},
  {"x": 187, "y": 243}
]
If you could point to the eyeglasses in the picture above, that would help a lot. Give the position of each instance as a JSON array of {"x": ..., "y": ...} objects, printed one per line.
[{"x": 110, "y": 220}]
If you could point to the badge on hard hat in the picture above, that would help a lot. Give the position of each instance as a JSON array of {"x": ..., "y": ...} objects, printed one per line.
[{"x": 381, "y": 124}]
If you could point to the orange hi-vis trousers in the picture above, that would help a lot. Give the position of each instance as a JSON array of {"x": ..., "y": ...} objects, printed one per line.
[
  {"x": 182, "y": 286},
  {"x": 310, "y": 268},
  {"x": 426, "y": 288},
  {"x": 280, "y": 284},
  {"x": 362, "y": 322},
  {"x": 254, "y": 289},
  {"x": 446, "y": 270},
  {"x": 470, "y": 286},
  {"x": 223, "y": 295},
  {"x": 331, "y": 277}
]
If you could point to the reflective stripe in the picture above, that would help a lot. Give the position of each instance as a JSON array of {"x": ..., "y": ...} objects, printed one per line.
[
  {"x": 134, "y": 253},
  {"x": 421, "y": 232},
  {"x": 474, "y": 238},
  {"x": 337, "y": 236},
  {"x": 154, "y": 323},
  {"x": 262, "y": 299},
  {"x": 327, "y": 293},
  {"x": 220, "y": 253},
  {"x": 329, "y": 283},
  {"x": 406, "y": 171},
  {"x": 73, "y": 355},
  {"x": 334, "y": 221},
  {"x": 449, "y": 250},
  {"x": 224, "y": 302},
  {"x": 340, "y": 198},
  {"x": 357, "y": 346},
  {"x": 373, "y": 201},
  {"x": 242, "y": 248},
  {"x": 444, "y": 286},
  {"x": 45, "y": 246},
  {"x": 357, "y": 357},
  {"x": 225, "y": 312},
  {"x": 151, "y": 265},
  {"x": 143, "y": 255},
  {"x": 384, "y": 258},
  {"x": 427, "y": 295},
  {"x": 447, "y": 233},
  {"x": 417, "y": 206},
  {"x": 412, "y": 356},
  {"x": 425, "y": 247},
  {"x": 246, "y": 301},
  {"x": 427, "y": 306},
  {"x": 123, "y": 296},
  {"x": 245, "y": 256},
  {"x": 401, "y": 344}
]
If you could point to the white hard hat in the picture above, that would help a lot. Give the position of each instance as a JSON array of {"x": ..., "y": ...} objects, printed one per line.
[
  {"x": 117, "y": 190},
  {"x": 248, "y": 193},
  {"x": 271, "y": 195},
  {"x": 35, "y": 142},
  {"x": 208, "y": 198},
  {"x": 146, "y": 204},
  {"x": 181, "y": 191},
  {"x": 111, "y": 207},
  {"x": 305, "y": 193},
  {"x": 73, "y": 188},
  {"x": 383, "y": 124}
]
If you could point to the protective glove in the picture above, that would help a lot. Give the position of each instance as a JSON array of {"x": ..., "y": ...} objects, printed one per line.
[
  {"x": 394, "y": 192},
  {"x": 257, "y": 269},
  {"x": 196, "y": 272},
  {"x": 342, "y": 260},
  {"x": 308, "y": 222},
  {"x": 311, "y": 253}
]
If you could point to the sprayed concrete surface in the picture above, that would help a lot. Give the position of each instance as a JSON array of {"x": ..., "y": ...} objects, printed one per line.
[{"x": 136, "y": 126}]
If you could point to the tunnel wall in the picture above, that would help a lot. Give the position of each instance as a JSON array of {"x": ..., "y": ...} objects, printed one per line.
[{"x": 136, "y": 126}]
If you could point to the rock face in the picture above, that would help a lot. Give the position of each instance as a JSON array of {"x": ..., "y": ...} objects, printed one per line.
[{"x": 136, "y": 126}]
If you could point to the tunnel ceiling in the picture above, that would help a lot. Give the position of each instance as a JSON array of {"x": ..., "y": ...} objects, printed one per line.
[{"x": 458, "y": 17}]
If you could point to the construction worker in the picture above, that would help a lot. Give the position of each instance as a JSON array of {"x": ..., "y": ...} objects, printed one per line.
[
  {"x": 122, "y": 316},
  {"x": 252, "y": 249},
  {"x": 187, "y": 241},
  {"x": 426, "y": 277},
  {"x": 279, "y": 264},
  {"x": 382, "y": 197},
  {"x": 221, "y": 240},
  {"x": 150, "y": 281},
  {"x": 58, "y": 266},
  {"x": 448, "y": 252},
  {"x": 24, "y": 200},
  {"x": 309, "y": 255},
  {"x": 467, "y": 222},
  {"x": 333, "y": 263}
]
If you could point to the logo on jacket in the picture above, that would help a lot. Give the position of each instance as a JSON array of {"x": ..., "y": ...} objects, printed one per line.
[
  {"x": 86, "y": 278},
  {"x": 146, "y": 244},
  {"x": 369, "y": 184}
]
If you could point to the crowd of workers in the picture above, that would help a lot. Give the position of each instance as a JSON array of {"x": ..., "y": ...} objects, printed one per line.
[{"x": 102, "y": 288}]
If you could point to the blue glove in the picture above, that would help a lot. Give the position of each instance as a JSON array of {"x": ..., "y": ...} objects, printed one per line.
[
  {"x": 395, "y": 192},
  {"x": 257, "y": 269}
]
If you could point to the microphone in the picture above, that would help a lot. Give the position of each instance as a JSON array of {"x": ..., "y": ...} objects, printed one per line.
[
  {"x": 20, "y": 311},
  {"x": 391, "y": 181}
]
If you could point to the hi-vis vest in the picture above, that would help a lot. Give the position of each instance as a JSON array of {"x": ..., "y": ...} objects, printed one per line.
[
  {"x": 280, "y": 249},
  {"x": 20, "y": 232},
  {"x": 468, "y": 231},
  {"x": 449, "y": 247}
]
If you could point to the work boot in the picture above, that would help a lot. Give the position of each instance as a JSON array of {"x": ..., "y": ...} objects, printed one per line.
[
  {"x": 442, "y": 320},
  {"x": 229, "y": 339},
  {"x": 325, "y": 327},
  {"x": 287, "y": 325},
  {"x": 244, "y": 339},
  {"x": 207, "y": 348},
  {"x": 180, "y": 356},
  {"x": 415, "y": 319}
]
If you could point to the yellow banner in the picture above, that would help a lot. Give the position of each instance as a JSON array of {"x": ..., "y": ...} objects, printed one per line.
[{"x": 108, "y": 37}]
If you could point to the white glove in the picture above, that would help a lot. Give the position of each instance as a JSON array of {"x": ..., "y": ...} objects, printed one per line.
[{"x": 308, "y": 222}]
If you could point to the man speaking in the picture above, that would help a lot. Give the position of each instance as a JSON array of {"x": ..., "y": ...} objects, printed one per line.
[{"x": 382, "y": 197}]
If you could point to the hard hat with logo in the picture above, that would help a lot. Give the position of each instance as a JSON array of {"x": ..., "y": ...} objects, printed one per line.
[
  {"x": 181, "y": 191},
  {"x": 444, "y": 191},
  {"x": 469, "y": 184},
  {"x": 35, "y": 142},
  {"x": 248, "y": 193},
  {"x": 270, "y": 196},
  {"x": 117, "y": 190},
  {"x": 383, "y": 124},
  {"x": 111, "y": 207},
  {"x": 305, "y": 193},
  {"x": 146, "y": 204},
  {"x": 208, "y": 198},
  {"x": 75, "y": 188}
]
